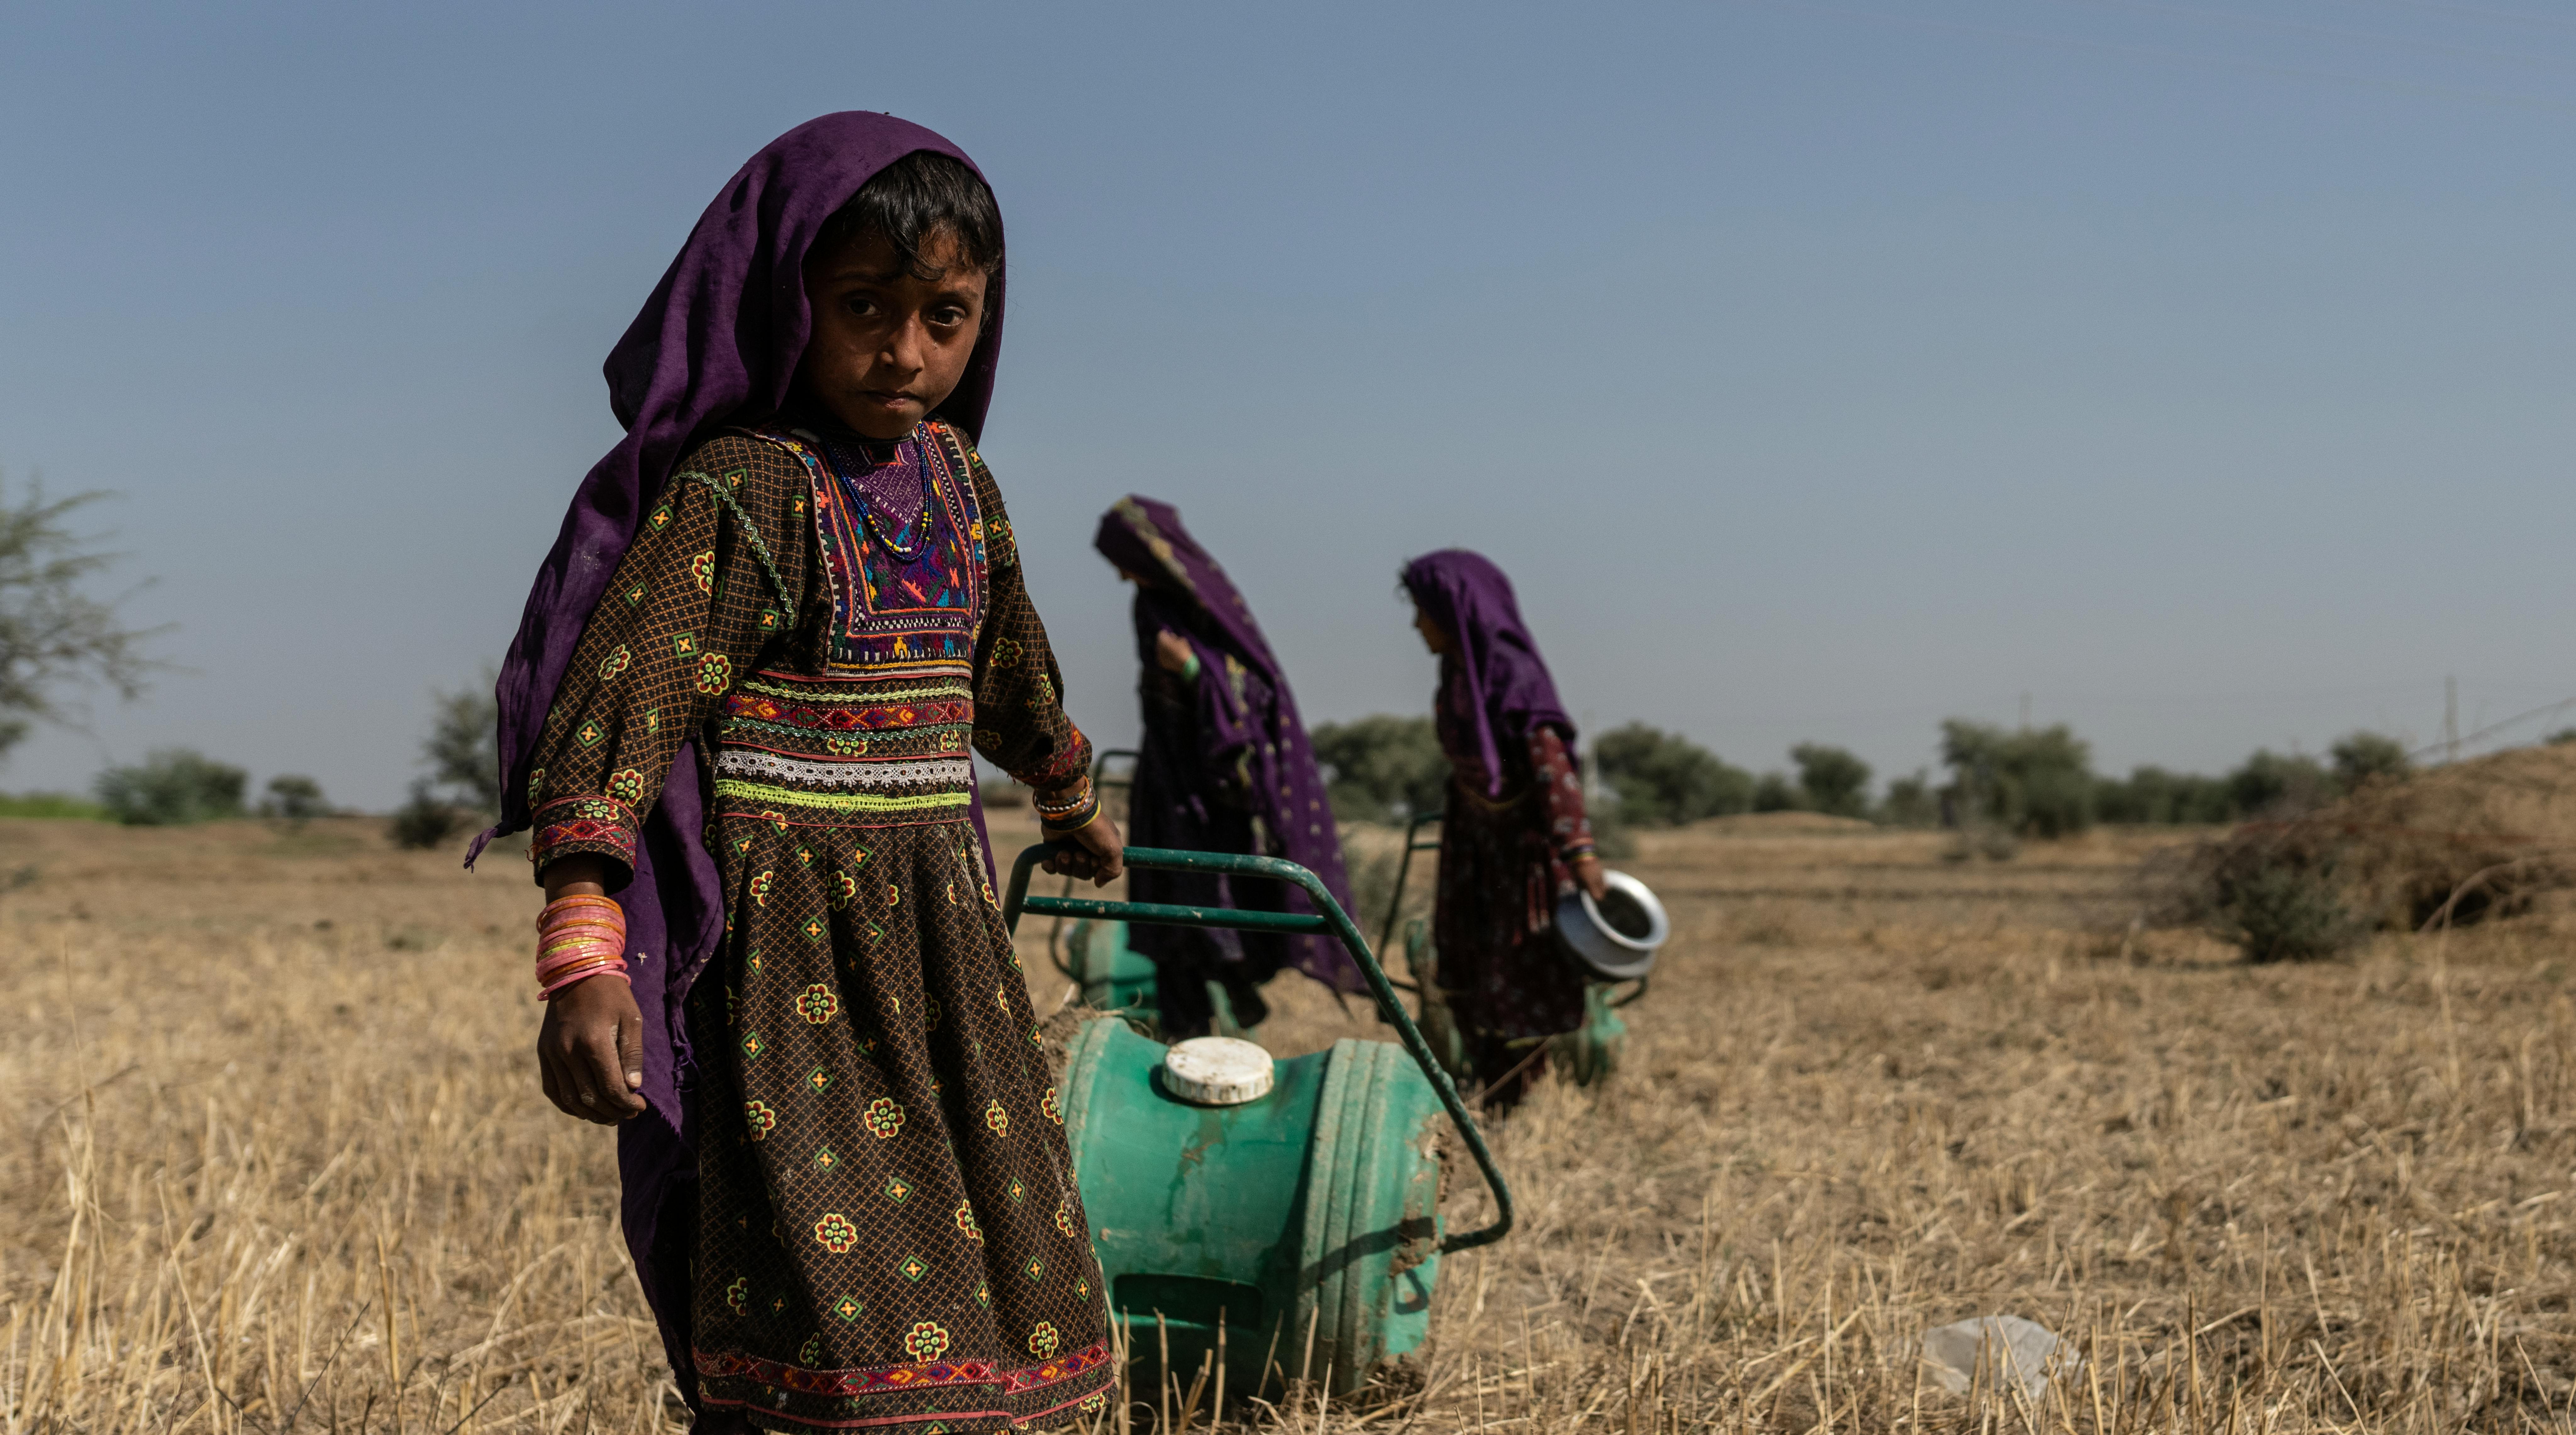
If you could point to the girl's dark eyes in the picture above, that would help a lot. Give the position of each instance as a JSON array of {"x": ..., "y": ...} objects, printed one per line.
[{"x": 945, "y": 316}]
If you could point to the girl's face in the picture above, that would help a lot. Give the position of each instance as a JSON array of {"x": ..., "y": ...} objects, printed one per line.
[
  {"x": 1433, "y": 637},
  {"x": 888, "y": 346}
]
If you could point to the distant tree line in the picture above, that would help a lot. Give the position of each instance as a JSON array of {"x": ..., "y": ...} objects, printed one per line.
[
  {"x": 2028, "y": 782},
  {"x": 176, "y": 786}
]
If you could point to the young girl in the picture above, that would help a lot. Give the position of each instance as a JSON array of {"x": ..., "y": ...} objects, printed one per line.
[
  {"x": 1514, "y": 840},
  {"x": 737, "y": 716},
  {"x": 1224, "y": 766}
]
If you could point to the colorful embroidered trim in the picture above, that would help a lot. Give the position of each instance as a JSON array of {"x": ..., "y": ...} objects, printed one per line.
[
  {"x": 873, "y": 716},
  {"x": 891, "y": 609},
  {"x": 936, "y": 771},
  {"x": 583, "y": 824},
  {"x": 750, "y": 530},
  {"x": 836, "y": 801},
  {"x": 800, "y": 689},
  {"x": 879, "y": 1379},
  {"x": 1071, "y": 761},
  {"x": 866, "y": 1380},
  {"x": 1058, "y": 1370}
]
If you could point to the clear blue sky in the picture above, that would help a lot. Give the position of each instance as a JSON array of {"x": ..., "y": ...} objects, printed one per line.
[{"x": 1819, "y": 371}]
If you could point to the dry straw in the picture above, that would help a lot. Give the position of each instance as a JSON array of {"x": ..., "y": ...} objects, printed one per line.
[{"x": 278, "y": 1161}]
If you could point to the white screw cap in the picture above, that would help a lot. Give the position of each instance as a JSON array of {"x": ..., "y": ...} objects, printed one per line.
[{"x": 1218, "y": 1071}]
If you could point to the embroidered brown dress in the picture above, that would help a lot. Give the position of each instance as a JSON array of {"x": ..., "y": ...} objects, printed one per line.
[
  {"x": 888, "y": 1231},
  {"x": 1504, "y": 865}
]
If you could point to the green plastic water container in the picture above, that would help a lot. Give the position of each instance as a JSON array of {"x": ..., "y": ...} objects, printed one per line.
[
  {"x": 1285, "y": 1213},
  {"x": 1116, "y": 978},
  {"x": 1113, "y": 975},
  {"x": 1313, "y": 1206}
]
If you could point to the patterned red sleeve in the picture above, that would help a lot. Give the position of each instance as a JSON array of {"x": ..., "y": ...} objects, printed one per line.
[
  {"x": 1020, "y": 722},
  {"x": 1562, "y": 780},
  {"x": 716, "y": 574}
]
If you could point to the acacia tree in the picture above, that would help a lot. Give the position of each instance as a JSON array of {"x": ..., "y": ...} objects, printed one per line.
[
  {"x": 54, "y": 635},
  {"x": 1382, "y": 768},
  {"x": 464, "y": 746},
  {"x": 463, "y": 751},
  {"x": 1835, "y": 779},
  {"x": 1664, "y": 779},
  {"x": 2034, "y": 781}
]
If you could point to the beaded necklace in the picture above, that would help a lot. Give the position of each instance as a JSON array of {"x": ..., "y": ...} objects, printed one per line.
[{"x": 869, "y": 465}]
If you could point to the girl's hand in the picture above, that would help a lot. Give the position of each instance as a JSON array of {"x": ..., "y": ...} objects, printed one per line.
[
  {"x": 1587, "y": 870},
  {"x": 1171, "y": 652},
  {"x": 590, "y": 1051},
  {"x": 1097, "y": 852}
]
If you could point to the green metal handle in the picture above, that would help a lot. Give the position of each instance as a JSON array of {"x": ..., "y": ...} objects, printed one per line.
[
  {"x": 1327, "y": 918},
  {"x": 1404, "y": 866}
]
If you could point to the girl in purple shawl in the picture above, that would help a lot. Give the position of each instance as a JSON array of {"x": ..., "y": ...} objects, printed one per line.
[
  {"x": 1514, "y": 840},
  {"x": 1224, "y": 766},
  {"x": 741, "y": 701}
]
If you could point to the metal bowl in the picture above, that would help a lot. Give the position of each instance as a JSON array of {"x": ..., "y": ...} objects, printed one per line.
[{"x": 1614, "y": 939}]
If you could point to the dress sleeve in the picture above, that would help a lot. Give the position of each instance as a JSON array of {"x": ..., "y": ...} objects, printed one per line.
[
  {"x": 1020, "y": 722},
  {"x": 1562, "y": 780},
  {"x": 716, "y": 575}
]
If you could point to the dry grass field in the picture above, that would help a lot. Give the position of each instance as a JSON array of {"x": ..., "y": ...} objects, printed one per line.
[{"x": 275, "y": 1158}]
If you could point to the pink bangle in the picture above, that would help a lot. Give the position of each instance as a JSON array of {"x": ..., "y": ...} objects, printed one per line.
[
  {"x": 560, "y": 970},
  {"x": 579, "y": 937},
  {"x": 614, "y": 969},
  {"x": 581, "y": 952},
  {"x": 559, "y": 939},
  {"x": 580, "y": 924},
  {"x": 582, "y": 903},
  {"x": 556, "y": 957},
  {"x": 555, "y": 973}
]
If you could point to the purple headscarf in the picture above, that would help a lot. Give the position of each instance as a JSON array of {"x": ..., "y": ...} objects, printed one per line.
[
  {"x": 1508, "y": 690},
  {"x": 717, "y": 343},
  {"x": 1145, "y": 538}
]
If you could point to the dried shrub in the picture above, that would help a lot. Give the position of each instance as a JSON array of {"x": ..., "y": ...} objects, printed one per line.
[
  {"x": 426, "y": 819},
  {"x": 2460, "y": 844},
  {"x": 2280, "y": 901},
  {"x": 172, "y": 787}
]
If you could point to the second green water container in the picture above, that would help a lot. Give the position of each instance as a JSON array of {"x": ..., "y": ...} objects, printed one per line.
[{"x": 1312, "y": 1207}]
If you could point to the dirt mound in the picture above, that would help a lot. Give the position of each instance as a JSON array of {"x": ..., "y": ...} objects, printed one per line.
[
  {"x": 2496, "y": 831},
  {"x": 2477, "y": 839}
]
